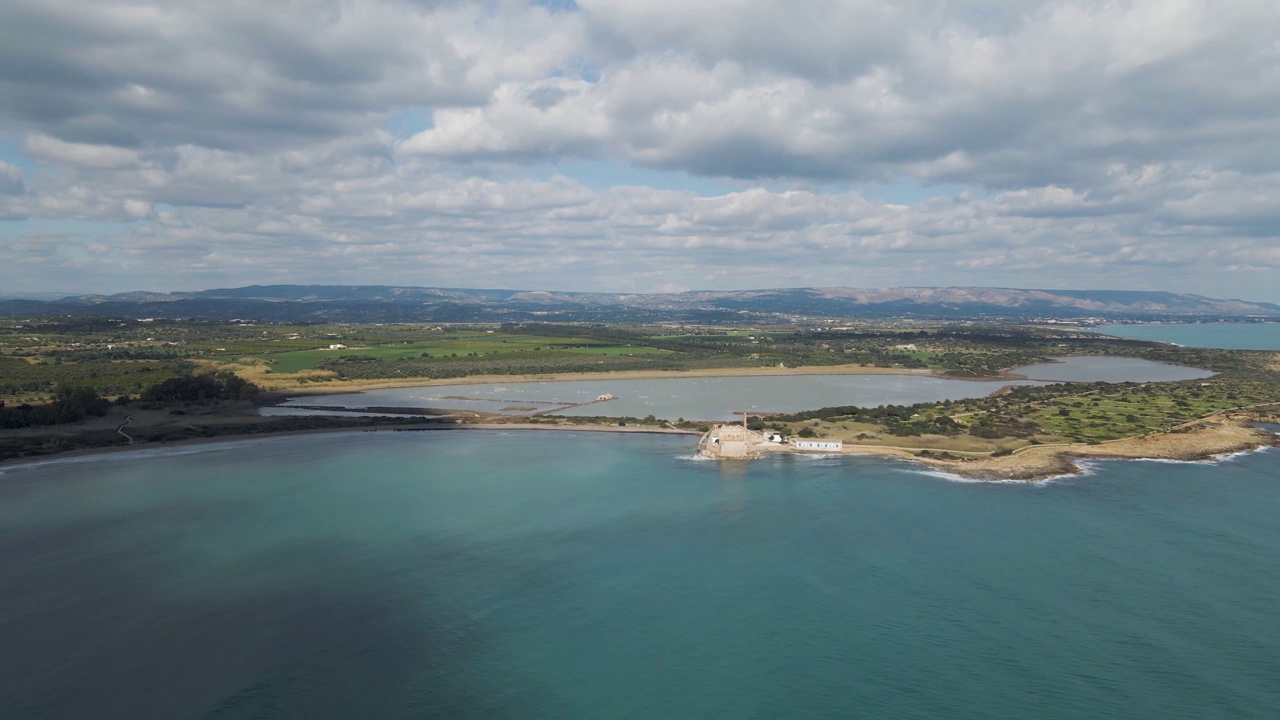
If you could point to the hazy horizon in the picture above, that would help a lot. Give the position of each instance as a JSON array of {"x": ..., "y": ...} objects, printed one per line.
[
  {"x": 57, "y": 295},
  {"x": 640, "y": 145}
]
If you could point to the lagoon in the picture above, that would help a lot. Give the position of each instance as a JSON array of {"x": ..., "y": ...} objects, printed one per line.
[
  {"x": 718, "y": 398},
  {"x": 1111, "y": 369},
  {"x": 476, "y": 574}
]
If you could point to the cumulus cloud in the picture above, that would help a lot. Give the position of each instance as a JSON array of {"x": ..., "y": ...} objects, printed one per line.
[
  {"x": 1002, "y": 94},
  {"x": 249, "y": 75},
  {"x": 412, "y": 225},
  {"x": 550, "y": 119},
  {"x": 1065, "y": 142},
  {"x": 80, "y": 155}
]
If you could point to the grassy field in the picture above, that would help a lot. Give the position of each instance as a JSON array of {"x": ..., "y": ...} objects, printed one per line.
[
  {"x": 448, "y": 345},
  {"x": 1054, "y": 414}
]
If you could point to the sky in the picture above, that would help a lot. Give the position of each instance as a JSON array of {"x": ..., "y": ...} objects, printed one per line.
[{"x": 640, "y": 145}]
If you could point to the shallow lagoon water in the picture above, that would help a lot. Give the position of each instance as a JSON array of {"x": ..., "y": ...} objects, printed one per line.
[
  {"x": 1111, "y": 369},
  {"x": 675, "y": 397},
  {"x": 576, "y": 575},
  {"x": 719, "y": 398}
]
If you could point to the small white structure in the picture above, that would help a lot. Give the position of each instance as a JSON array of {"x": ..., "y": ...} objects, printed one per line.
[
  {"x": 337, "y": 346},
  {"x": 835, "y": 445},
  {"x": 604, "y": 398}
]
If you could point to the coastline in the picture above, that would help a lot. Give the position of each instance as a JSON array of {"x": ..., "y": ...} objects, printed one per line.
[
  {"x": 263, "y": 431},
  {"x": 182, "y": 425},
  {"x": 1208, "y": 437},
  {"x": 1204, "y": 439}
]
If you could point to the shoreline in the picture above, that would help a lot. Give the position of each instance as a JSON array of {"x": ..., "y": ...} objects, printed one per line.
[
  {"x": 194, "y": 425},
  {"x": 1206, "y": 439},
  {"x": 259, "y": 433}
]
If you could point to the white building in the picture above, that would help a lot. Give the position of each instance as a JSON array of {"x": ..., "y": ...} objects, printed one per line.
[{"x": 836, "y": 445}]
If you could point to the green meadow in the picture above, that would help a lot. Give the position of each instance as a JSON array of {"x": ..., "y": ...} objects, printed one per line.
[{"x": 481, "y": 344}]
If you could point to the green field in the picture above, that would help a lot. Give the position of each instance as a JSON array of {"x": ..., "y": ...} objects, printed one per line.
[{"x": 449, "y": 345}]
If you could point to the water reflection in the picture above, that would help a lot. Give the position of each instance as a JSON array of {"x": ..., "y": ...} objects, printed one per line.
[{"x": 732, "y": 489}]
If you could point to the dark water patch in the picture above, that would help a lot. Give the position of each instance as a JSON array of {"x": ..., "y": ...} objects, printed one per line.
[{"x": 313, "y": 631}]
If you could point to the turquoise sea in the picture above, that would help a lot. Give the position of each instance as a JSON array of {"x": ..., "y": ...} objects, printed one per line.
[
  {"x": 474, "y": 574},
  {"x": 1231, "y": 336}
]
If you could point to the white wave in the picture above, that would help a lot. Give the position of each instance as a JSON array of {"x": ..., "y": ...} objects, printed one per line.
[
  {"x": 1210, "y": 460},
  {"x": 199, "y": 447},
  {"x": 117, "y": 455},
  {"x": 1086, "y": 469},
  {"x": 1229, "y": 457}
]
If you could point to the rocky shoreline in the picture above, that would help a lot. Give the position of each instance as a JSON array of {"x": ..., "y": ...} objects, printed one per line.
[{"x": 1206, "y": 439}]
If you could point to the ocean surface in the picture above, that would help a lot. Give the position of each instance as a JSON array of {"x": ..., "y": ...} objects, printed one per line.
[
  {"x": 719, "y": 398},
  {"x": 474, "y": 574},
  {"x": 1230, "y": 336}
]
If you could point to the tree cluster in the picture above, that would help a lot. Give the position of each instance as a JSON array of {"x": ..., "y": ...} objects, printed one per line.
[
  {"x": 71, "y": 404},
  {"x": 201, "y": 388}
]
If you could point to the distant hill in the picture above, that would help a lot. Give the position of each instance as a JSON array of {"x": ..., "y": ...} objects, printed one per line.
[{"x": 385, "y": 303}]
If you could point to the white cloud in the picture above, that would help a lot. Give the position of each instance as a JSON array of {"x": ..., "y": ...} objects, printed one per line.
[
  {"x": 138, "y": 209},
  {"x": 408, "y": 224},
  {"x": 1001, "y": 95},
  {"x": 553, "y": 118},
  {"x": 250, "y": 75},
  {"x": 80, "y": 155},
  {"x": 1092, "y": 143}
]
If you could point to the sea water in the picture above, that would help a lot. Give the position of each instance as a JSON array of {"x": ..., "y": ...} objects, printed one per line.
[
  {"x": 1230, "y": 336},
  {"x": 477, "y": 574}
]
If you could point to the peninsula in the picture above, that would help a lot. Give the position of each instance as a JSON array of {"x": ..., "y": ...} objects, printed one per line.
[{"x": 1205, "y": 439}]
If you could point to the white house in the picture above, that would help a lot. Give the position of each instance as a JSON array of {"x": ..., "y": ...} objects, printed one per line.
[{"x": 836, "y": 445}]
